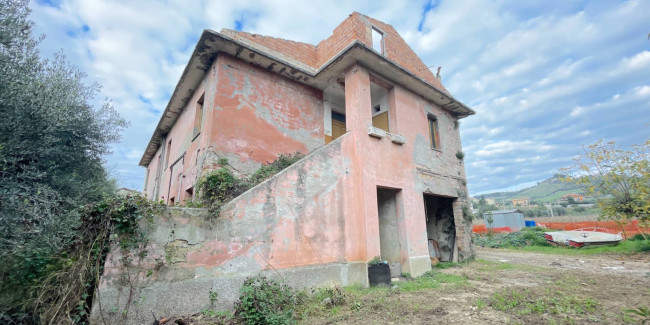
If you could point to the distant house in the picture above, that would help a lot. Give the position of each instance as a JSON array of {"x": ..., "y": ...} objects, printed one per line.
[
  {"x": 576, "y": 197},
  {"x": 520, "y": 202},
  {"x": 514, "y": 219}
]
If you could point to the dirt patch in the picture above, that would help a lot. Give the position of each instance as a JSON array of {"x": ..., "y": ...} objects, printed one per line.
[
  {"x": 548, "y": 289},
  {"x": 633, "y": 266}
]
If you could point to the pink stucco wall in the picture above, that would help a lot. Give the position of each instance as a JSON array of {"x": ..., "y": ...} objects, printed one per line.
[
  {"x": 250, "y": 116},
  {"x": 316, "y": 222}
]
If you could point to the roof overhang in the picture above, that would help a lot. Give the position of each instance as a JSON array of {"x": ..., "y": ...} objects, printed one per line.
[{"x": 211, "y": 43}]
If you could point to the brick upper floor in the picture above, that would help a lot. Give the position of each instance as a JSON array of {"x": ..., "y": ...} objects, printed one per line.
[{"x": 356, "y": 27}]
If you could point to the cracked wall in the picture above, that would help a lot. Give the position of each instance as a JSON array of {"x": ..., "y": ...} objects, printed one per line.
[{"x": 294, "y": 221}]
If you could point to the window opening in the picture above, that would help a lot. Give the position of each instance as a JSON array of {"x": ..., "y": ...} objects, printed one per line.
[
  {"x": 434, "y": 138},
  {"x": 169, "y": 151},
  {"x": 198, "y": 117},
  {"x": 377, "y": 40},
  {"x": 379, "y": 106},
  {"x": 146, "y": 179}
]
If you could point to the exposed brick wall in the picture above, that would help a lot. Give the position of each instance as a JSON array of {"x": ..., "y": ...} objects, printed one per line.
[
  {"x": 303, "y": 52},
  {"x": 351, "y": 29},
  {"x": 355, "y": 27},
  {"x": 398, "y": 51}
]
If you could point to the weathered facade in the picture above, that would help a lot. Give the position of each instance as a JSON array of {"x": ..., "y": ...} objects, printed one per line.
[{"x": 381, "y": 176}]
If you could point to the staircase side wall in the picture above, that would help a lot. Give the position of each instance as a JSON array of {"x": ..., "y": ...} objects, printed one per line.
[{"x": 291, "y": 226}]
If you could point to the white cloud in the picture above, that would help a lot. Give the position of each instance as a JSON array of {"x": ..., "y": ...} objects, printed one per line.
[
  {"x": 509, "y": 146},
  {"x": 639, "y": 61},
  {"x": 643, "y": 91},
  {"x": 577, "y": 111}
]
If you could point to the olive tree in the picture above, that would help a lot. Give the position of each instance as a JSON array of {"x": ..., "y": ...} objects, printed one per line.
[
  {"x": 53, "y": 141},
  {"x": 619, "y": 179}
]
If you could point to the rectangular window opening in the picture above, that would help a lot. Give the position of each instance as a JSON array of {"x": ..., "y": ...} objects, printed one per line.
[
  {"x": 169, "y": 151},
  {"x": 198, "y": 117},
  {"x": 377, "y": 40},
  {"x": 379, "y": 106},
  {"x": 146, "y": 179},
  {"x": 434, "y": 138}
]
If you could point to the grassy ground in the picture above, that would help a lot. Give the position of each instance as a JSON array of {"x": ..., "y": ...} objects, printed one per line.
[
  {"x": 500, "y": 287},
  {"x": 487, "y": 292}
]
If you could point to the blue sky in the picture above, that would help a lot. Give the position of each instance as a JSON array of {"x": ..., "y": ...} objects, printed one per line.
[{"x": 545, "y": 77}]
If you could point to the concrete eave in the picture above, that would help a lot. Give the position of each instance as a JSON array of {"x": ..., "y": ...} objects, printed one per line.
[{"x": 211, "y": 43}]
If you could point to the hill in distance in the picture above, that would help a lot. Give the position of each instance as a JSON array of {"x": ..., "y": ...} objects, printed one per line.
[{"x": 550, "y": 190}]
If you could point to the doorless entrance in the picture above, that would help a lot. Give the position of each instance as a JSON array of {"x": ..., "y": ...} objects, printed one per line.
[
  {"x": 389, "y": 239},
  {"x": 441, "y": 229}
]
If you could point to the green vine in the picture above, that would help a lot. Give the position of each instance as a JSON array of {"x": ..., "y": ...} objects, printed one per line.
[
  {"x": 63, "y": 291},
  {"x": 220, "y": 186}
]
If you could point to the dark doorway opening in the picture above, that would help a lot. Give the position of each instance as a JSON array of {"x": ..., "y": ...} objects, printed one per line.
[
  {"x": 441, "y": 228},
  {"x": 389, "y": 238}
]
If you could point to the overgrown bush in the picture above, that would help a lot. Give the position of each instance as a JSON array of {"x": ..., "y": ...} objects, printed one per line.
[
  {"x": 266, "y": 171},
  {"x": 265, "y": 301},
  {"x": 49, "y": 284},
  {"x": 221, "y": 186},
  {"x": 533, "y": 236},
  {"x": 375, "y": 261}
]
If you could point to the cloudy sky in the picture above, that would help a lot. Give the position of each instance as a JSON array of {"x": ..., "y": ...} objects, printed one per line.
[{"x": 545, "y": 77}]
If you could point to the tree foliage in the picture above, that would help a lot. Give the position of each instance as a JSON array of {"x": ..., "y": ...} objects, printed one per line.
[
  {"x": 52, "y": 144},
  {"x": 619, "y": 179}
]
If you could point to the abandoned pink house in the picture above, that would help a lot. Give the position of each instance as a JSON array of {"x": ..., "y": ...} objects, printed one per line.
[{"x": 382, "y": 175}]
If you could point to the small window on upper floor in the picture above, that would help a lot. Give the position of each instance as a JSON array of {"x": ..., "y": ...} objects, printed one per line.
[
  {"x": 146, "y": 179},
  {"x": 169, "y": 151},
  {"x": 198, "y": 117},
  {"x": 378, "y": 40},
  {"x": 434, "y": 138},
  {"x": 379, "y": 106}
]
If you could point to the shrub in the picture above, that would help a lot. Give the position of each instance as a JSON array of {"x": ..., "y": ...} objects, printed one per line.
[
  {"x": 460, "y": 155},
  {"x": 533, "y": 236},
  {"x": 331, "y": 296},
  {"x": 579, "y": 209},
  {"x": 467, "y": 213},
  {"x": 219, "y": 187},
  {"x": 265, "y": 301},
  {"x": 374, "y": 261},
  {"x": 266, "y": 171},
  {"x": 48, "y": 284}
]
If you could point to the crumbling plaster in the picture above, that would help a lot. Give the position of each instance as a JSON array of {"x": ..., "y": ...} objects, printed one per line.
[
  {"x": 317, "y": 221},
  {"x": 293, "y": 220},
  {"x": 249, "y": 117}
]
